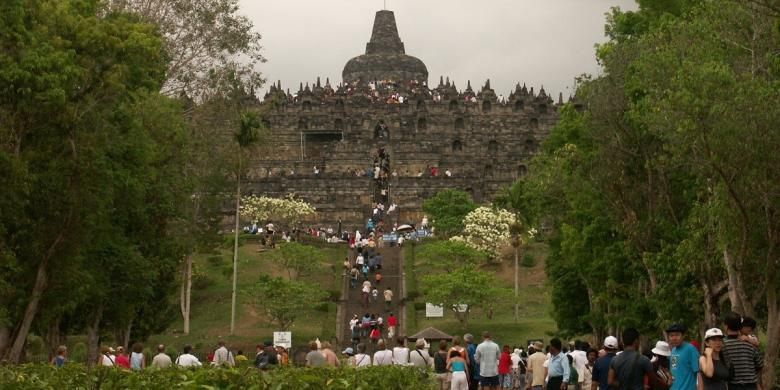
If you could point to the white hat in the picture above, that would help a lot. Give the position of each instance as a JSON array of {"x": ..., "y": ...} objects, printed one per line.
[
  {"x": 662, "y": 349},
  {"x": 611, "y": 342},
  {"x": 714, "y": 332}
]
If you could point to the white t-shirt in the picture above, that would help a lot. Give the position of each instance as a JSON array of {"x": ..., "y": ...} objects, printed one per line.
[
  {"x": 384, "y": 358},
  {"x": 359, "y": 260},
  {"x": 108, "y": 360},
  {"x": 515, "y": 360},
  {"x": 579, "y": 360},
  {"x": 362, "y": 360},
  {"x": 401, "y": 356},
  {"x": 187, "y": 360}
]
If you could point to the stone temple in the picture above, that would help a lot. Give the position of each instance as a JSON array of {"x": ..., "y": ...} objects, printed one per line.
[{"x": 325, "y": 138}]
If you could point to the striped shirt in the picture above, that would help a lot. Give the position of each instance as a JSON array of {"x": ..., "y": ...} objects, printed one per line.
[{"x": 746, "y": 360}]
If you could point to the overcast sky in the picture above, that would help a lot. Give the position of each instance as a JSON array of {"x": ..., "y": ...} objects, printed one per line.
[{"x": 537, "y": 42}]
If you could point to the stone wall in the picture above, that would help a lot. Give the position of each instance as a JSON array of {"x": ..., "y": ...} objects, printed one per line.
[{"x": 486, "y": 144}]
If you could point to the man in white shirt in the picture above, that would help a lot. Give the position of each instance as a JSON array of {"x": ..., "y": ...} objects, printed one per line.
[
  {"x": 579, "y": 360},
  {"x": 420, "y": 357},
  {"x": 186, "y": 359},
  {"x": 401, "y": 353},
  {"x": 161, "y": 360},
  {"x": 383, "y": 356},
  {"x": 362, "y": 359},
  {"x": 487, "y": 356},
  {"x": 223, "y": 357}
]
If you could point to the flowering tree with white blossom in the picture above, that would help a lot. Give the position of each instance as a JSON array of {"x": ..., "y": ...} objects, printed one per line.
[
  {"x": 289, "y": 211},
  {"x": 487, "y": 229}
]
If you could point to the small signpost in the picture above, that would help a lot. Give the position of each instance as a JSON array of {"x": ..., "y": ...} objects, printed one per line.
[
  {"x": 284, "y": 339},
  {"x": 432, "y": 310}
]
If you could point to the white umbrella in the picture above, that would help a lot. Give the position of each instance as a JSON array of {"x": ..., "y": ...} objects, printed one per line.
[{"x": 404, "y": 228}]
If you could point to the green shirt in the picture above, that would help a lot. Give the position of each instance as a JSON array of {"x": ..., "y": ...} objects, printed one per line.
[{"x": 573, "y": 375}]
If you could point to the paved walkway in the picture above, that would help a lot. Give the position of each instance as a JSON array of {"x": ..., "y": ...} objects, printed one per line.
[{"x": 352, "y": 304}]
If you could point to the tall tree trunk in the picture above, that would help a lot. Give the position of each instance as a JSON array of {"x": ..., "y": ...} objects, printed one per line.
[
  {"x": 54, "y": 337},
  {"x": 5, "y": 339},
  {"x": 186, "y": 293},
  {"x": 122, "y": 335},
  {"x": 235, "y": 249},
  {"x": 737, "y": 295},
  {"x": 93, "y": 337},
  {"x": 19, "y": 338}
]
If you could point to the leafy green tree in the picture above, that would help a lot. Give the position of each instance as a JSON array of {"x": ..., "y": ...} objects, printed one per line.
[
  {"x": 465, "y": 285},
  {"x": 447, "y": 210},
  {"x": 449, "y": 254},
  {"x": 81, "y": 163},
  {"x": 285, "y": 300},
  {"x": 298, "y": 260},
  {"x": 656, "y": 183}
]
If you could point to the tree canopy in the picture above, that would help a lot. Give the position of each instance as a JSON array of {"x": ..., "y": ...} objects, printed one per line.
[
  {"x": 659, "y": 184},
  {"x": 447, "y": 210}
]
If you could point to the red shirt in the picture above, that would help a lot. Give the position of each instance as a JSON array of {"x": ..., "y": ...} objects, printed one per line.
[
  {"x": 504, "y": 363},
  {"x": 123, "y": 361},
  {"x": 392, "y": 321}
]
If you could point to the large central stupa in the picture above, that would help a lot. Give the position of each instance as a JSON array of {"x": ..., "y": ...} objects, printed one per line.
[{"x": 385, "y": 57}]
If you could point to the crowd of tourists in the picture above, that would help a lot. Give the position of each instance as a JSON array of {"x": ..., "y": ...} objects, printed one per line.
[
  {"x": 729, "y": 359},
  {"x": 136, "y": 359}
]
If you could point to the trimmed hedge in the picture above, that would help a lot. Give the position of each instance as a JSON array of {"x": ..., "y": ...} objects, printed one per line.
[{"x": 76, "y": 376}]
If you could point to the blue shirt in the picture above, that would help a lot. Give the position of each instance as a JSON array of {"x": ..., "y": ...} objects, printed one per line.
[
  {"x": 601, "y": 370},
  {"x": 684, "y": 364},
  {"x": 559, "y": 366},
  {"x": 472, "y": 349}
]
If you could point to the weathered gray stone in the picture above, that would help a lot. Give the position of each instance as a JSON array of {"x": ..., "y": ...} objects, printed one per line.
[{"x": 486, "y": 143}]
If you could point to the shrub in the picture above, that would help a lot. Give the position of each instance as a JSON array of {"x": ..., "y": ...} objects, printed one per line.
[
  {"x": 334, "y": 295},
  {"x": 36, "y": 376},
  {"x": 216, "y": 261},
  {"x": 203, "y": 281},
  {"x": 528, "y": 260},
  {"x": 418, "y": 306},
  {"x": 78, "y": 353}
]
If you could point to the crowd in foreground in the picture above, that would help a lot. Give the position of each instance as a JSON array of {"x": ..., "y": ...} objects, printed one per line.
[{"x": 729, "y": 359}]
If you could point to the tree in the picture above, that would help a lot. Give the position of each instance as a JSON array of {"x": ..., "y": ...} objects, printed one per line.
[
  {"x": 76, "y": 153},
  {"x": 486, "y": 229},
  {"x": 449, "y": 254},
  {"x": 447, "y": 210},
  {"x": 285, "y": 300},
  {"x": 665, "y": 166},
  {"x": 209, "y": 44},
  {"x": 288, "y": 211},
  {"x": 246, "y": 137},
  {"x": 298, "y": 259},
  {"x": 462, "y": 286}
]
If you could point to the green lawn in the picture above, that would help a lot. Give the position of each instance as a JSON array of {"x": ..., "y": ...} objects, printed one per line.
[
  {"x": 210, "y": 319},
  {"x": 533, "y": 296}
]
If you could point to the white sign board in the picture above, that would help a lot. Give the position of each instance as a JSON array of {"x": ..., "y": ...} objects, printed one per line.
[
  {"x": 461, "y": 308},
  {"x": 283, "y": 338},
  {"x": 432, "y": 310}
]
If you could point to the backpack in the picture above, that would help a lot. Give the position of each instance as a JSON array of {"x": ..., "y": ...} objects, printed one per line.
[{"x": 439, "y": 362}]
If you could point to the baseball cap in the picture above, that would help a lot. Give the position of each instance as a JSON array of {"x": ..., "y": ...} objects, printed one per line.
[
  {"x": 714, "y": 332},
  {"x": 662, "y": 349},
  {"x": 348, "y": 351},
  {"x": 680, "y": 328},
  {"x": 611, "y": 342}
]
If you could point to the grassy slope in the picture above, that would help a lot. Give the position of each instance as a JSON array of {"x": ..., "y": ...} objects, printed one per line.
[
  {"x": 210, "y": 319},
  {"x": 535, "y": 321}
]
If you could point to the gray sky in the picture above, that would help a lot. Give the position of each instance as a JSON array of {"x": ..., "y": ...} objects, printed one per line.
[{"x": 537, "y": 42}]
